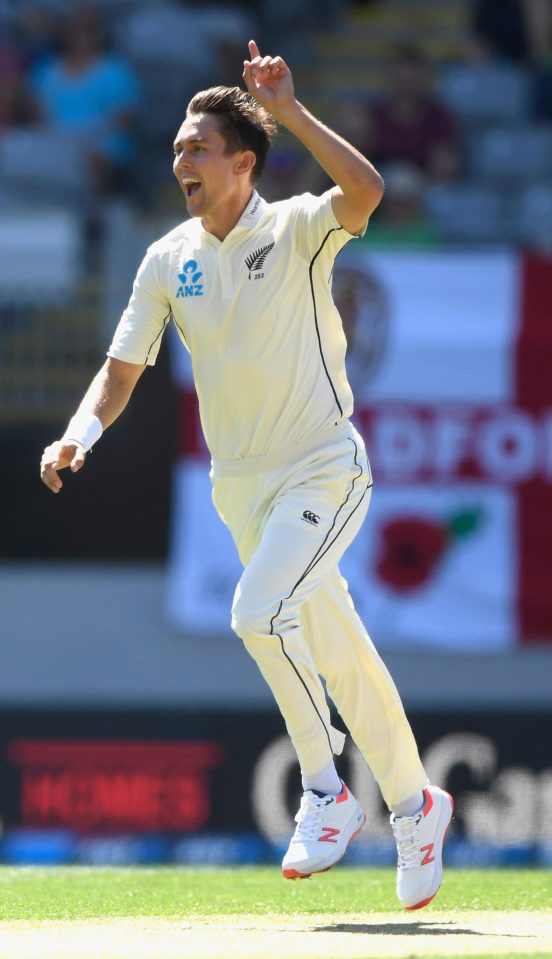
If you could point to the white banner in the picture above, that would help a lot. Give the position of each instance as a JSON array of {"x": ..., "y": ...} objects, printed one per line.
[{"x": 433, "y": 342}]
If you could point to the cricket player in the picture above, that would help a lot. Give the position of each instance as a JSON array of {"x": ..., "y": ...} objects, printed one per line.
[{"x": 248, "y": 286}]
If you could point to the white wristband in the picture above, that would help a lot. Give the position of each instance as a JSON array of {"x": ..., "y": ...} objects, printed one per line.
[{"x": 83, "y": 428}]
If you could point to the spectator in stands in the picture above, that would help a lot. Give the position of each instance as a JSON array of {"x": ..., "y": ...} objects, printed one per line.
[
  {"x": 16, "y": 106},
  {"x": 540, "y": 20},
  {"x": 288, "y": 23},
  {"x": 400, "y": 221},
  {"x": 92, "y": 93},
  {"x": 518, "y": 31},
  {"x": 199, "y": 37},
  {"x": 36, "y": 26},
  {"x": 543, "y": 90},
  {"x": 178, "y": 47},
  {"x": 409, "y": 123},
  {"x": 501, "y": 28}
]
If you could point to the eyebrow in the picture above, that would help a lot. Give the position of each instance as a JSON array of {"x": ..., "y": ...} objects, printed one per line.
[{"x": 191, "y": 140}]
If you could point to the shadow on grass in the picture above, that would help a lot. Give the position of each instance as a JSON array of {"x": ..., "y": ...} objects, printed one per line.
[{"x": 411, "y": 929}]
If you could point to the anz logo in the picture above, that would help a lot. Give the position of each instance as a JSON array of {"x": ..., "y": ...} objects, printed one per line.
[{"x": 189, "y": 280}]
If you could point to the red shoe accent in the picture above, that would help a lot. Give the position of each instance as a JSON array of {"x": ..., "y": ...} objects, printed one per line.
[
  {"x": 293, "y": 874},
  {"x": 428, "y": 804},
  {"x": 428, "y": 850},
  {"x": 343, "y": 795},
  {"x": 330, "y": 831},
  {"x": 420, "y": 905},
  {"x": 424, "y": 902}
]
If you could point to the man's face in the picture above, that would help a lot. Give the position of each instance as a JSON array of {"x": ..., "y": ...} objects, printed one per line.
[{"x": 208, "y": 175}]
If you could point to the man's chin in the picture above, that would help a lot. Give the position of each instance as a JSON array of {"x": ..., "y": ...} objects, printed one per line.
[{"x": 194, "y": 209}]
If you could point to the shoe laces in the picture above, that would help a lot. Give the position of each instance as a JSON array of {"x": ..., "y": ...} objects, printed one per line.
[
  {"x": 405, "y": 829},
  {"x": 309, "y": 817}
]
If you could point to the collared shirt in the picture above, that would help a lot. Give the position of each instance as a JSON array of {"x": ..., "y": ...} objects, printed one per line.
[{"x": 256, "y": 313}]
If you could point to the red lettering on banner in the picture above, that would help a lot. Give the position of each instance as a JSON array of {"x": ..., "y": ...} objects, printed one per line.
[
  {"x": 191, "y": 801},
  {"x": 406, "y": 443},
  {"x": 111, "y": 792},
  {"x": 458, "y": 443},
  {"x": 152, "y": 786},
  {"x": 35, "y": 796},
  {"x": 496, "y": 445},
  {"x": 87, "y": 801}
]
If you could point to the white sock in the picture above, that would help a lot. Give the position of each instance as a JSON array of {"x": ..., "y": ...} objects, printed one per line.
[
  {"x": 325, "y": 780},
  {"x": 410, "y": 806}
]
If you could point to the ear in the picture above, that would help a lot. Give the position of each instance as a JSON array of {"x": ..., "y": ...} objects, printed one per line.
[{"x": 245, "y": 162}]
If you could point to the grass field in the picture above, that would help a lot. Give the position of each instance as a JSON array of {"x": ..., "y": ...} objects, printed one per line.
[{"x": 162, "y": 913}]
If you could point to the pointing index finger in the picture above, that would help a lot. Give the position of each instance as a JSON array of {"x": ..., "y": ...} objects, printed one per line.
[{"x": 253, "y": 49}]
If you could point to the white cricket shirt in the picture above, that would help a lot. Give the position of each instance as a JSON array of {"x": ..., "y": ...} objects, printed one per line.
[{"x": 256, "y": 313}]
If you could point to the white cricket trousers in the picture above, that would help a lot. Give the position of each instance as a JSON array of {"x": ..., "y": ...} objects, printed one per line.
[{"x": 292, "y": 518}]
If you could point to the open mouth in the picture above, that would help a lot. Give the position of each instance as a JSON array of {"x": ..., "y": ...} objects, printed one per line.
[{"x": 192, "y": 187}]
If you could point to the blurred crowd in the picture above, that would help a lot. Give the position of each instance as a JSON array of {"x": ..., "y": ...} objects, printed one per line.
[
  {"x": 109, "y": 76},
  {"x": 92, "y": 93},
  {"x": 84, "y": 72}
]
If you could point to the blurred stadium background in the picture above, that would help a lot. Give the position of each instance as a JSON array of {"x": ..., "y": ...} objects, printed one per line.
[{"x": 134, "y": 727}]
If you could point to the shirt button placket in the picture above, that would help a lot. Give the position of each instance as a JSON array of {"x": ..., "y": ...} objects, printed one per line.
[{"x": 225, "y": 276}]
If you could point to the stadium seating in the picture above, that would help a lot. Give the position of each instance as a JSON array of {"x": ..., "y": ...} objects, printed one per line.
[
  {"x": 44, "y": 164},
  {"x": 40, "y": 255},
  {"x": 502, "y": 153},
  {"x": 498, "y": 92},
  {"x": 534, "y": 215},
  {"x": 468, "y": 212}
]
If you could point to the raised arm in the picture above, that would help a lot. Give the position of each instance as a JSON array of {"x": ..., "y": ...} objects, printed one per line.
[
  {"x": 359, "y": 187},
  {"x": 105, "y": 399}
]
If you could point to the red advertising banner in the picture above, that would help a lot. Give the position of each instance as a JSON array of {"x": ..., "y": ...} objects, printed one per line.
[{"x": 136, "y": 785}]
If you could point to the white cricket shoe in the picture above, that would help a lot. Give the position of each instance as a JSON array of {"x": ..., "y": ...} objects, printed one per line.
[
  {"x": 420, "y": 847},
  {"x": 325, "y": 826}
]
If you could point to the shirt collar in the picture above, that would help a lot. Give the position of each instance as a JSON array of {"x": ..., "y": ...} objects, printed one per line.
[
  {"x": 249, "y": 218},
  {"x": 253, "y": 212}
]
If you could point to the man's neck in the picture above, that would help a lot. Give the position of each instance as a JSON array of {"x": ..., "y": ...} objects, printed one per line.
[{"x": 223, "y": 221}]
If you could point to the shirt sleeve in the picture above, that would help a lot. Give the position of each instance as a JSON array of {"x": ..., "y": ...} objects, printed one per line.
[
  {"x": 138, "y": 336},
  {"x": 317, "y": 229}
]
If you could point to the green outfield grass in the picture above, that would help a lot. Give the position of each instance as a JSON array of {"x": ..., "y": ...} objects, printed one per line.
[{"x": 84, "y": 893}]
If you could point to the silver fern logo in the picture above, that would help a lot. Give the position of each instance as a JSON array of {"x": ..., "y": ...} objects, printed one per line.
[{"x": 255, "y": 261}]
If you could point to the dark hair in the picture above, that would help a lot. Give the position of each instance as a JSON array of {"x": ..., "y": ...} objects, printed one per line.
[{"x": 243, "y": 122}]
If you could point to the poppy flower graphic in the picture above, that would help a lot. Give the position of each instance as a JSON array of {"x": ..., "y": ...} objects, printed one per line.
[{"x": 412, "y": 547}]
